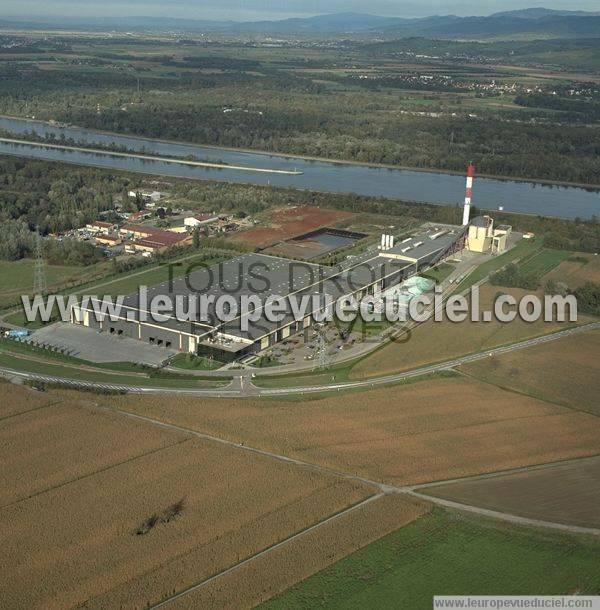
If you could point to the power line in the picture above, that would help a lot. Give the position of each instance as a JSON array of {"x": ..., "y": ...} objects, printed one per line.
[{"x": 39, "y": 278}]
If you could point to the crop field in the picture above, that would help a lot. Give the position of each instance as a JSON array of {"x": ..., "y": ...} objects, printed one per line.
[
  {"x": 563, "y": 493},
  {"x": 566, "y": 371},
  {"x": 303, "y": 557},
  {"x": 544, "y": 261},
  {"x": 429, "y": 431},
  {"x": 574, "y": 272},
  {"x": 288, "y": 222},
  {"x": 439, "y": 341},
  {"x": 451, "y": 554},
  {"x": 13, "y": 402},
  {"x": 108, "y": 511}
]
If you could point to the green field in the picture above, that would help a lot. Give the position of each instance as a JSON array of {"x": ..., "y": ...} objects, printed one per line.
[
  {"x": 16, "y": 277},
  {"x": 448, "y": 554},
  {"x": 521, "y": 252},
  {"x": 75, "y": 372},
  {"x": 544, "y": 261},
  {"x": 129, "y": 282}
]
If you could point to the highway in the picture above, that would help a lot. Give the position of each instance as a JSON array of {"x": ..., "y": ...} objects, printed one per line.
[{"x": 242, "y": 385}]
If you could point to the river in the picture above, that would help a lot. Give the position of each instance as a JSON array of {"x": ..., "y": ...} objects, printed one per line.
[{"x": 426, "y": 186}]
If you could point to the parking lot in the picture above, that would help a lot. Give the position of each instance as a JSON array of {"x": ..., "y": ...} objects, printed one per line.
[{"x": 89, "y": 344}]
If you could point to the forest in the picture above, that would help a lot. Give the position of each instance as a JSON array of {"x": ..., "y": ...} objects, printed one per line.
[{"x": 314, "y": 103}]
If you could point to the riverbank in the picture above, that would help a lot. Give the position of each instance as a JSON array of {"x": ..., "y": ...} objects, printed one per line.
[{"x": 308, "y": 158}]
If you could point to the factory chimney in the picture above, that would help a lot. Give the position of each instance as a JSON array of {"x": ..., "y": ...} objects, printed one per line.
[{"x": 468, "y": 194}]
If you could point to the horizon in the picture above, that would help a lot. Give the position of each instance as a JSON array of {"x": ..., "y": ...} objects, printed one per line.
[{"x": 265, "y": 10}]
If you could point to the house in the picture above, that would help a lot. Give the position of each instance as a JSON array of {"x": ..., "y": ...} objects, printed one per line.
[
  {"x": 200, "y": 220},
  {"x": 141, "y": 214}
]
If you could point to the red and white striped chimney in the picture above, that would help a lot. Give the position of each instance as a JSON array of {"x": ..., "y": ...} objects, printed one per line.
[{"x": 468, "y": 194}]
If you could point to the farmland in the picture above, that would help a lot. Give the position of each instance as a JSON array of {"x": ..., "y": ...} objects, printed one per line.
[
  {"x": 13, "y": 403},
  {"x": 562, "y": 493},
  {"x": 575, "y": 271},
  {"x": 439, "y": 341},
  {"x": 104, "y": 510},
  {"x": 540, "y": 371},
  {"x": 284, "y": 566},
  {"x": 448, "y": 554},
  {"x": 434, "y": 430}
]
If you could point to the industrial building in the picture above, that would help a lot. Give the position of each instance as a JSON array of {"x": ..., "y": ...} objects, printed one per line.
[{"x": 262, "y": 275}]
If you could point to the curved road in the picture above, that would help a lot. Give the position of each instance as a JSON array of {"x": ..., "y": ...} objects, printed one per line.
[{"x": 242, "y": 385}]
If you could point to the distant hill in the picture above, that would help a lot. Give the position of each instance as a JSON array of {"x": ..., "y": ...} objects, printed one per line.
[{"x": 531, "y": 22}]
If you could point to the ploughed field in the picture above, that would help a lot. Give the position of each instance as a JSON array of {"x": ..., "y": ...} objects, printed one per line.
[{"x": 566, "y": 492}]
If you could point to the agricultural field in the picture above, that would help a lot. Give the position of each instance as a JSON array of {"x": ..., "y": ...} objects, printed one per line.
[
  {"x": 429, "y": 431},
  {"x": 284, "y": 566},
  {"x": 543, "y": 262},
  {"x": 288, "y": 222},
  {"x": 575, "y": 271},
  {"x": 116, "y": 512},
  {"x": 562, "y": 493},
  {"x": 438, "y": 341},
  {"x": 451, "y": 554},
  {"x": 566, "y": 371},
  {"x": 12, "y": 403},
  {"x": 16, "y": 278}
]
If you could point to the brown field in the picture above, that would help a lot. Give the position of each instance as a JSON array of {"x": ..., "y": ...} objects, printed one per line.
[
  {"x": 439, "y": 341},
  {"x": 261, "y": 580},
  {"x": 429, "y": 431},
  {"x": 574, "y": 274},
  {"x": 289, "y": 222},
  {"x": 94, "y": 477},
  {"x": 564, "y": 493},
  {"x": 14, "y": 401},
  {"x": 565, "y": 371},
  {"x": 46, "y": 448}
]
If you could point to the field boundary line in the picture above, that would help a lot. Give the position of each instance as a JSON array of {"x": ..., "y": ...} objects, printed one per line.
[
  {"x": 508, "y": 517},
  {"x": 502, "y": 473},
  {"x": 264, "y": 552},
  {"x": 255, "y": 450},
  {"x": 50, "y": 404},
  {"x": 92, "y": 474}
]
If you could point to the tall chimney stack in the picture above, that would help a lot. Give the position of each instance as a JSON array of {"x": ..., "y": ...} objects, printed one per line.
[{"x": 468, "y": 194}]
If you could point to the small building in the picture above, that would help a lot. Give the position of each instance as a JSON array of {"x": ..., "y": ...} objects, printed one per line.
[
  {"x": 141, "y": 214},
  {"x": 108, "y": 240},
  {"x": 99, "y": 226},
  {"x": 200, "y": 220},
  {"x": 150, "y": 198},
  {"x": 151, "y": 239}
]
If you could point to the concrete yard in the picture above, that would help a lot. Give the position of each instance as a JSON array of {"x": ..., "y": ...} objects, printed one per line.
[{"x": 89, "y": 344}]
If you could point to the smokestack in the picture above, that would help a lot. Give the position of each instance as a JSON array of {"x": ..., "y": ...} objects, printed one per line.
[
  {"x": 391, "y": 241},
  {"x": 382, "y": 247},
  {"x": 468, "y": 194}
]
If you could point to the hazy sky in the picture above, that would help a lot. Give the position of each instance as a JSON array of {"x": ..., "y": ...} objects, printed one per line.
[{"x": 268, "y": 9}]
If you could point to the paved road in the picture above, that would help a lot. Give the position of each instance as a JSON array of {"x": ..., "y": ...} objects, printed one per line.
[{"x": 242, "y": 385}]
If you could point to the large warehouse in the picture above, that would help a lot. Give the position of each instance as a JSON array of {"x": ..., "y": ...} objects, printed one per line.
[{"x": 262, "y": 275}]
